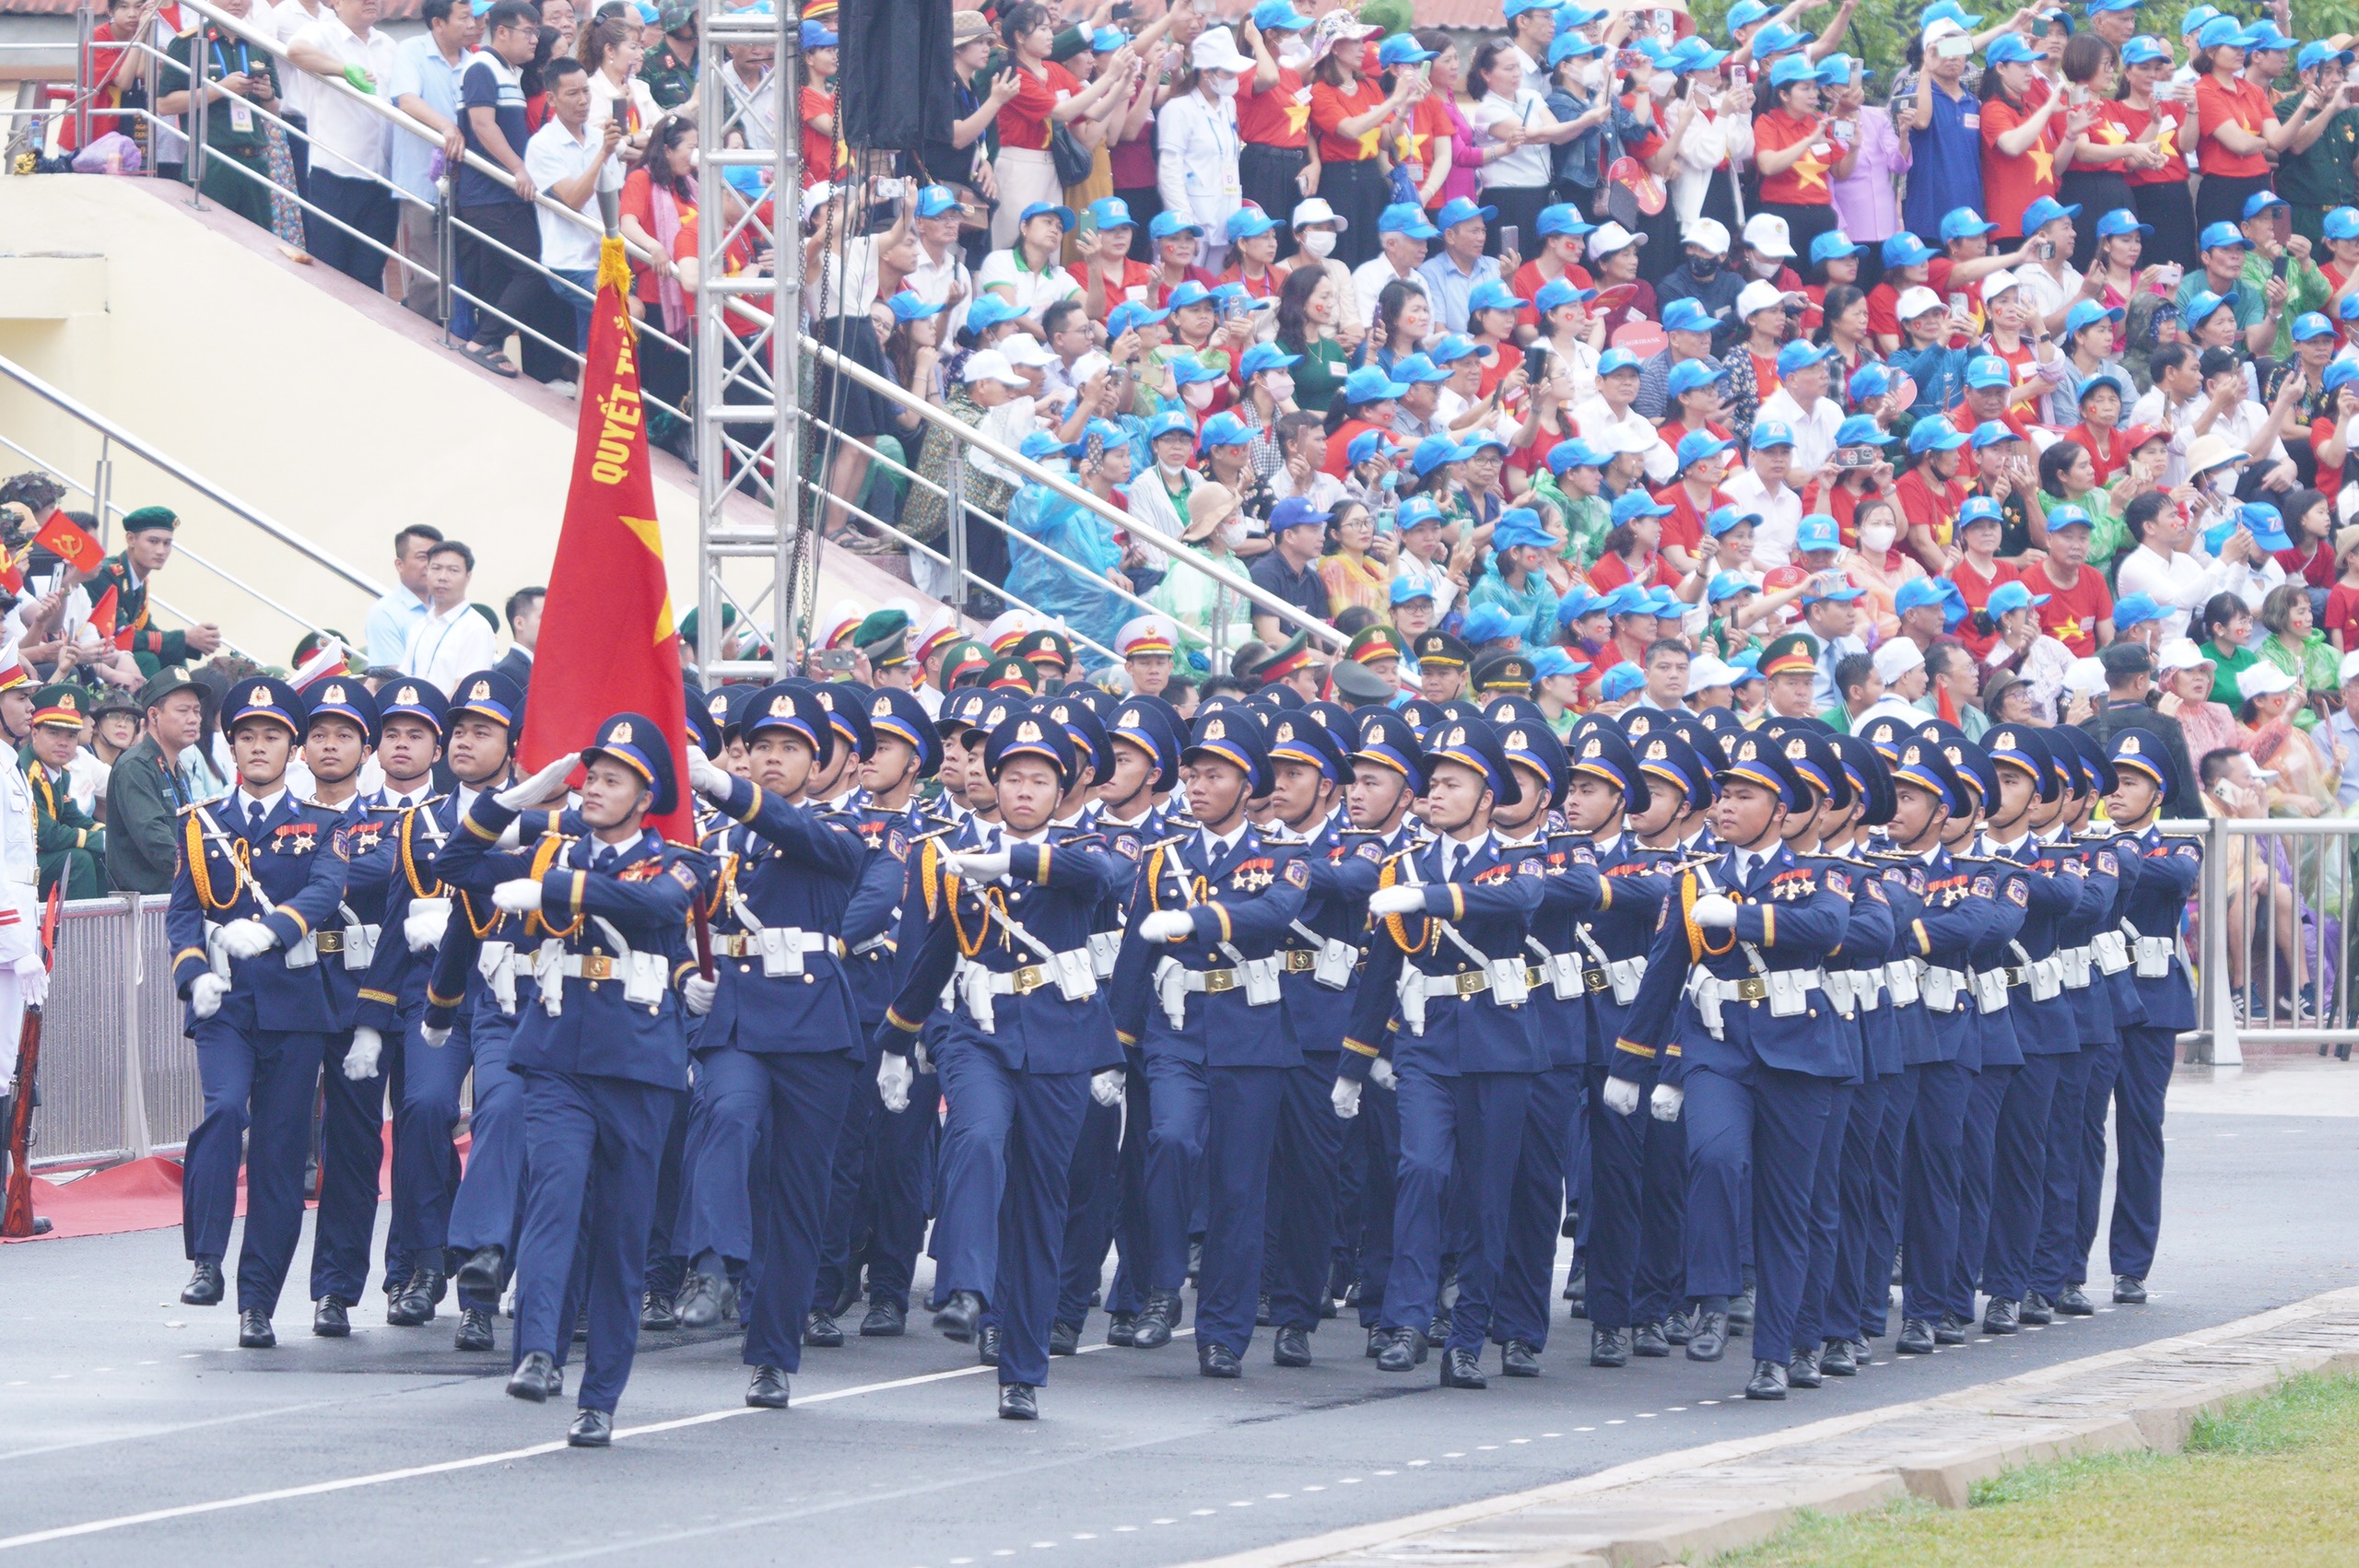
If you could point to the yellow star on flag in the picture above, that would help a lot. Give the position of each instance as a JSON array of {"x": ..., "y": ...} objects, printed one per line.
[
  {"x": 2167, "y": 139},
  {"x": 2106, "y": 134},
  {"x": 1413, "y": 146},
  {"x": 1368, "y": 140},
  {"x": 1297, "y": 116},
  {"x": 1810, "y": 171},
  {"x": 2043, "y": 166}
]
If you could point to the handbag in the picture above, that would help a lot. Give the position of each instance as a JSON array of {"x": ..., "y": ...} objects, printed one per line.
[{"x": 1073, "y": 160}]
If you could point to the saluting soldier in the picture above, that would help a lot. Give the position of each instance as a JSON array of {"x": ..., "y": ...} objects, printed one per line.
[
  {"x": 1008, "y": 926},
  {"x": 601, "y": 1057},
  {"x": 260, "y": 872},
  {"x": 1444, "y": 999},
  {"x": 69, "y": 841}
]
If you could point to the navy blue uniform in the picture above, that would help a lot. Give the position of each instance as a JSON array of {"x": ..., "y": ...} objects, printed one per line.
[
  {"x": 352, "y": 1112},
  {"x": 1855, "y": 977},
  {"x": 2168, "y": 869},
  {"x": 2090, "y": 992},
  {"x": 1998, "y": 970}
]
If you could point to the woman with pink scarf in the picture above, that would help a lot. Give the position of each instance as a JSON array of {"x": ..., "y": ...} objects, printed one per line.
[{"x": 657, "y": 197}]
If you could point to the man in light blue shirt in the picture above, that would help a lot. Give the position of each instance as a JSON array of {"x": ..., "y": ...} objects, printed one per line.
[
  {"x": 395, "y": 616},
  {"x": 1450, "y": 278},
  {"x": 426, "y": 86},
  {"x": 2343, "y": 734}
]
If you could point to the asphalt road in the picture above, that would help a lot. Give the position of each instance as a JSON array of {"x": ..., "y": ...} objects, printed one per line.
[{"x": 132, "y": 1429}]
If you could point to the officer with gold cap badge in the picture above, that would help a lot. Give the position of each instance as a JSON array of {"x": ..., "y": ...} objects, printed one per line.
[
  {"x": 71, "y": 844},
  {"x": 604, "y": 1055},
  {"x": 259, "y": 874},
  {"x": 1442, "y": 663}
]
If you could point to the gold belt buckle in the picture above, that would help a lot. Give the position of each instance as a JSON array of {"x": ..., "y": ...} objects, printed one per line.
[
  {"x": 2015, "y": 976},
  {"x": 597, "y": 967},
  {"x": 1598, "y": 979},
  {"x": 1219, "y": 980},
  {"x": 1300, "y": 961},
  {"x": 329, "y": 942},
  {"x": 1470, "y": 982},
  {"x": 1029, "y": 979},
  {"x": 1752, "y": 987}
]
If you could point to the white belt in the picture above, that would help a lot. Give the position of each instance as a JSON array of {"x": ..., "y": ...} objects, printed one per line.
[
  {"x": 2044, "y": 976},
  {"x": 1175, "y": 982},
  {"x": 1506, "y": 979},
  {"x": 1941, "y": 988},
  {"x": 975, "y": 987},
  {"x": 2112, "y": 951},
  {"x": 1855, "y": 990},
  {"x": 1786, "y": 990},
  {"x": 1900, "y": 979},
  {"x": 644, "y": 975},
  {"x": 2154, "y": 957},
  {"x": 2079, "y": 964}
]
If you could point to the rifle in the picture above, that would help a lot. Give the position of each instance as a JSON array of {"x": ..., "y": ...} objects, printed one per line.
[{"x": 17, "y": 1219}]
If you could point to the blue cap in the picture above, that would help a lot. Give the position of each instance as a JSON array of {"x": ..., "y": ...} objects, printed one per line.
[
  {"x": 1986, "y": 370},
  {"x": 1951, "y": 11},
  {"x": 1404, "y": 218},
  {"x": 1189, "y": 292},
  {"x": 1614, "y": 359},
  {"x": 1744, "y": 13},
  {"x": 1562, "y": 217},
  {"x": 1935, "y": 434},
  {"x": 1870, "y": 380},
  {"x": 2348, "y": 311},
  {"x": 1167, "y": 224},
  {"x": 1817, "y": 531},
  {"x": 1666, "y": 604},
  {"x": 1460, "y": 209},
  {"x": 1964, "y": 223},
  {"x": 1519, "y": 526},
  {"x": 2221, "y": 235},
  {"x": 2221, "y": 33},
  {"x": 2195, "y": 18},
  {"x": 1414, "y": 370},
  {"x": 1105, "y": 40},
  {"x": 1414, "y": 510},
  {"x": 1727, "y": 586},
  {"x": 2263, "y": 34},
  {"x": 1043, "y": 445},
  {"x": 2012, "y": 48},
  {"x": 2260, "y": 202},
  {"x": 1979, "y": 508},
  {"x": 2141, "y": 50},
  {"x": 1453, "y": 348},
  {"x": 1170, "y": 422},
  {"x": 1576, "y": 453},
  {"x": 1620, "y": 681},
  {"x": 1836, "y": 69},
  {"x": 1492, "y": 295},
  {"x": 1224, "y": 429},
  {"x": 421, "y": 700},
  {"x": 641, "y": 745},
  {"x": 1801, "y": 356},
  {"x": 2121, "y": 220},
  {"x": 1767, "y": 433},
  {"x": 1688, "y": 314},
  {"x": 1725, "y": 518},
  {"x": 1632, "y": 504},
  {"x": 1368, "y": 446},
  {"x": 1689, "y": 375},
  {"x": 1834, "y": 243},
  {"x": 2319, "y": 54},
  {"x": 815, "y": 35},
  {"x": 1279, "y": 15},
  {"x": 2338, "y": 372},
  {"x": 1041, "y": 209},
  {"x": 2009, "y": 597},
  {"x": 1111, "y": 212},
  {"x": 1991, "y": 432},
  {"x": 2044, "y": 211},
  {"x": 2342, "y": 223},
  {"x": 1402, "y": 49},
  {"x": 2135, "y": 609},
  {"x": 2103, "y": 379},
  {"x": 2065, "y": 515},
  {"x": 1234, "y": 293},
  {"x": 1295, "y": 512},
  {"x": 2086, "y": 314},
  {"x": 1408, "y": 589},
  {"x": 1905, "y": 250},
  {"x": 1571, "y": 46},
  {"x": 1432, "y": 452},
  {"x": 1790, "y": 68},
  {"x": 1558, "y": 291},
  {"x": 1556, "y": 661},
  {"x": 1188, "y": 370},
  {"x": 2097, "y": 5},
  {"x": 1859, "y": 430},
  {"x": 935, "y": 200},
  {"x": 1129, "y": 314},
  {"x": 907, "y": 306},
  {"x": 2268, "y": 525},
  {"x": 2203, "y": 302},
  {"x": 1266, "y": 355},
  {"x": 1249, "y": 221},
  {"x": 1514, "y": 8},
  {"x": 1697, "y": 445},
  {"x": 1778, "y": 39}
]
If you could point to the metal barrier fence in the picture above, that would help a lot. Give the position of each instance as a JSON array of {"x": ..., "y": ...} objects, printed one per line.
[{"x": 118, "y": 1079}]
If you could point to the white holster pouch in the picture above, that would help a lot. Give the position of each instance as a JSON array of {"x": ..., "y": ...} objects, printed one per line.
[
  {"x": 1866, "y": 991},
  {"x": 1941, "y": 988},
  {"x": 496, "y": 962},
  {"x": 1560, "y": 972},
  {"x": 1838, "y": 993},
  {"x": 1900, "y": 981},
  {"x": 2153, "y": 957},
  {"x": 2079, "y": 965},
  {"x": 360, "y": 945},
  {"x": 2045, "y": 976},
  {"x": 646, "y": 976},
  {"x": 1334, "y": 962},
  {"x": 1510, "y": 980},
  {"x": 216, "y": 957},
  {"x": 305, "y": 954},
  {"x": 972, "y": 983},
  {"x": 1103, "y": 948},
  {"x": 1790, "y": 990},
  {"x": 1411, "y": 992},
  {"x": 1706, "y": 993},
  {"x": 2112, "y": 952},
  {"x": 1990, "y": 991},
  {"x": 782, "y": 952},
  {"x": 1622, "y": 976},
  {"x": 549, "y": 973}
]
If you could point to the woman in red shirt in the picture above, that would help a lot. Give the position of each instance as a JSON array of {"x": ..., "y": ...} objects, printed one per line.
[
  {"x": 2025, "y": 149},
  {"x": 1349, "y": 113},
  {"x": 1798, "y": 154},
  {"x": 2237, "y": 127},
  {"x": 2148, "y": 109},
  {"x": 1045, "y": 92}
]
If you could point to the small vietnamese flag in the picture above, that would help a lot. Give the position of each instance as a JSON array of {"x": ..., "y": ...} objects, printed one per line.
[
  {"x": 104, "y": 615},
  {"x": 70, "y": 542}
]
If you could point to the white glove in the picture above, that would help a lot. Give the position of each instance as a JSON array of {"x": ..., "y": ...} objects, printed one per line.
[
  {"x": 248, "y": 937},
  {"x": 1621, "y": 1095},
  {"x": 1381, "y": 1074},
  {"x": 1346, "y": 1096},
  {"x": 706, "y": 776},
  {"x": 1401, "y": 900},
  {"x": 522, "y": 897},
  {"x": 204, "y": 994},
  {"x": 1667, "y": 1100},
  {"x": 918, "y": 1058},
  {"x": 698, "y": 992},
  {"x": 1106, "y": 1087},
  {"x": 1168, "y": 925},
  {"x": 437, "y": 1039},
  {"x": 32, "y": 980},
  {"x": 537, "y": 788},
  {"x": 423, "y": 927},
  {"x": 360, "y": 1061},
  {"x": 979, "y": 865},
  {"x": 1715, "y": 910},
  {"x": 893, "y": 1077}
]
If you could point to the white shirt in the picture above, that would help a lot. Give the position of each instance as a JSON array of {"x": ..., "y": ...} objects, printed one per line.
[
  {"x": 1196, "y": 162},
  {"x": 1368, "y": 280},
  {"x": 349, "y": 139},
  {"x": 284, "y": 20},
  {"x": 1781, "y": 516},
  {"x": 2048, "y": 293},
  {"x": 2176, "y": 418},
  {"x": 1216, "y": 845},
  {"x": 2181, "y": 582},
  {"x": 1632, "y": 432},
  {"x": 933, "y": 282},
  {"x": 638, "y": 118},
  {"x": 448, "y": 646},
  {"x": 1527, "y": 166},
  {"x": 553, "y": 154},
  {"x": 1813, "y": 428},
  {"x": 1030, "y": 292}
]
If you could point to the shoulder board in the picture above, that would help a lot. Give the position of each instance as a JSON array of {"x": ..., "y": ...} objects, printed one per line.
[
  {"x": 1361, "y": 833},
  {"x": 1084, "y": 838},
  {"x": 1896, "y": 856},
  {"x": 1172, "y": 842}
]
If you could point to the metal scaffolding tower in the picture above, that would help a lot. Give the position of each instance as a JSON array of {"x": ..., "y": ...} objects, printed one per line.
[{"x": 748, "y": 342}]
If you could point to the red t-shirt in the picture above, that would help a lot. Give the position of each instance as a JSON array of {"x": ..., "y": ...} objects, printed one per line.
[
  {"x": 1264, "y": 287},
  {"x": 2172, "y": 138},
  {"x": 2012, "y": 184},
  {"x": 2071, "y": 615},
  {"x": 1922, "y": 505},
  {"x": 2315, "y": 565},
  {"x": 1278, "y": 118},
  {"x": 1429, "y": 129},
  {"x": 2330, "y": 479},
  {"x": 1134, "y": 275},
  {"x": 1765, "y": 374},
  {"x": 1685, "y": 526},
  {"x": 1160, "y": 293},
  {"x": 736, "y": 258},
  {"x": 1976, "y": 590},
  {"x": 2342, "y": 616},
  {"x": 2241, "y": 102},
  {"x": 1937, "y": 278},
  {"x": 1339, "y": 446},
  {"x": 1883, "y": 312},
  {"x": 2013, "y": 419},
  {"x": 1804, "y": 183},
  {"x": 1528, "y": 283},
  {"x": 2107, "y": 459},
  {"x": 1024, "y": 119},
  {"x": 1330, "y": 106},
  {"x": 1611, "y": 571},
  {"x": 818, "y": 148}
]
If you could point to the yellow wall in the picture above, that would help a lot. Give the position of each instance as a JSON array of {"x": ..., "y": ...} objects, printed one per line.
[{"x": 324, "y": 407}]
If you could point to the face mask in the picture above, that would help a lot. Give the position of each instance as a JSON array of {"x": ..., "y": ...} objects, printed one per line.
[
  {"x": 1234, "y": 533},
  {"x": 1704, "y": 267},
  {"x": 1224, "y": 86},
  {"x": 1295, "y": 56},
  {"x": 1170, "y": 470},
  {"x": 1660, "y": 86},
  {"x": 1761, "y": 268},
  {"x": 1281, "y": 386},
  {"x": 1197, "y": 394},
  {"x": 1877, "y": 537},
  {"x": 1319, "y": 242}
]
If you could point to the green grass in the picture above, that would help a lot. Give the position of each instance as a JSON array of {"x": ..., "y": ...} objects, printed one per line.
[{"x": 2271, "y": 1481}]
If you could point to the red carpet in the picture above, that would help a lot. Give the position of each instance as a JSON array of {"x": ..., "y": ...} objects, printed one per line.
[{"x": 141, "y": 1195}]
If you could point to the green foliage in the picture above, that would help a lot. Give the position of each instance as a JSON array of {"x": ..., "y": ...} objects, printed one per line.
[{"x": 2296, "y": 1414}]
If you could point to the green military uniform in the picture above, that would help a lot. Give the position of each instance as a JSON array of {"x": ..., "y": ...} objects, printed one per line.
[
  {"x": 68, "y": 843},
  {"x": 2320, "y": 177},
  {"x": 144, "y": 797},
  {"x": 235, "y": 130},
  {"x": 671, "y": 72},
  {"x": 154, "y": 649}
]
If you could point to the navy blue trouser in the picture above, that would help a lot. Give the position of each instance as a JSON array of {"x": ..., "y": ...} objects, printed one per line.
[
  {"x": 803, "y": 1097},
  {"x": 1753, "y": 1135},
  {"x": 258, "y": 1089},
  {"x": 1859, "y": 1277},
  {"x": 1930, "y": 1226},
  {"x": 1891, "y": 1199},
  {"x": 1128, "y": 1293},
  {"x": 847, "y": 1180},
  {"x": 2147, "y": 1055},
  {"x": 485, "y": 1210},
  {"x": 728, "y": 1118},
  {"x": 1814, "y": 1320},
  {"x": 666, "y": 1269},
  {"x": 1470, "y": 1125},
  {"x": 426, "y": 1161},
  {"x": 1006, "y": 1153},
  {"x": 1974, "y": 1166},
  {"x": 2097, "y": 1109},
  {"x": 352, "y": 1156},
  {"x": 1095, "y": 1189},
  {"x": 2019, "y": 1177},
  {"x": 1305, "y": 1176},
  {"x": 1557, "y": 1103},
  {"x": 899, "y": 1194},
  {"x": 1376, "y": 1132},
  {"x": 1221, "y": 1121},
  {"x": 592, "y": 1144},
  {"x": 2053, "y": 1265},
  {"x": 1637, "y": 1212}
]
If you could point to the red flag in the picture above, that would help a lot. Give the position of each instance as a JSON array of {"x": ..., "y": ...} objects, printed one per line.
[
  {"x": 1946, "y": 706},
  {"x": 607, "y": 644},
  {"x": 105, "y": 615},
  {"x": 70, "y": 542}
]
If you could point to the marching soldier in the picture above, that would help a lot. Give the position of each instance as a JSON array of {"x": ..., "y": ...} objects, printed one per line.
[
  {"x": 71, "y": 845},
  {"x": 260, "y": 873},
  {"x": 602, "y": 1056}
]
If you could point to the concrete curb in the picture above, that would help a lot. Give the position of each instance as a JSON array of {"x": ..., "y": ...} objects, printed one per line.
[{"x": 1679, "y": 1506}]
